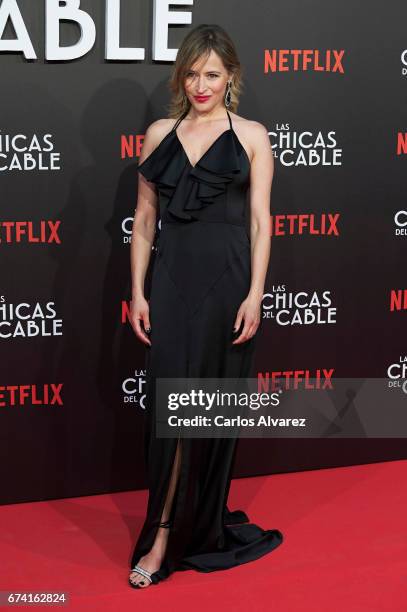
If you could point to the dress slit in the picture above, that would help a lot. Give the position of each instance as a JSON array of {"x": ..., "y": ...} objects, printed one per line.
[{"x": 151, "y": 525}]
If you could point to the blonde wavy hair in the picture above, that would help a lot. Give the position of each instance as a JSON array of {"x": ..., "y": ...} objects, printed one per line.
[{"x": 197, "y": 44}]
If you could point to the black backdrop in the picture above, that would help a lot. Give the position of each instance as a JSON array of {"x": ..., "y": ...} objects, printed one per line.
[{"x": 71, "y": 396}]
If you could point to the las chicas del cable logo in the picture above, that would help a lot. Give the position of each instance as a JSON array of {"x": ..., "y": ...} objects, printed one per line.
[
  {"x": 400, "y": 222},
  {"x": 133, "y": 388},
  {"x": 299, "y": 308},
  {"x": 26, "y": 320},
  {"x": 397, "y": 373},
  {"x": 28, "y": 153},
  {"x": 305, "y": 147}
]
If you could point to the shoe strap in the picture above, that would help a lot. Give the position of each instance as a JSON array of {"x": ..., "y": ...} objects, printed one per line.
[
  {"x": 165, "y": 524},
  {"x": 142, "y": 571}
]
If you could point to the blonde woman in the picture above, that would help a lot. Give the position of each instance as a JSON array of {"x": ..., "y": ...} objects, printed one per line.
[{"x": 204, "y": 310}]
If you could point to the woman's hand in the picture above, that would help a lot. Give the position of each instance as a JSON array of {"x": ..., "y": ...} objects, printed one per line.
[
  {"x": 140, "y": 311},
  {"x": 250, "y": 312}
]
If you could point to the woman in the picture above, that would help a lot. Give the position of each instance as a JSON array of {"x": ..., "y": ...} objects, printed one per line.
[{"x": 208, "y": 277}]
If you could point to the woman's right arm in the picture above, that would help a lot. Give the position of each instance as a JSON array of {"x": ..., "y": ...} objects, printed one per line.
[{"x": 142, "y": 238}]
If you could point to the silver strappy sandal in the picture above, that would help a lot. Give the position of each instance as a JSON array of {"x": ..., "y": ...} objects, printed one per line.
[{"x": 141, "y": 570}]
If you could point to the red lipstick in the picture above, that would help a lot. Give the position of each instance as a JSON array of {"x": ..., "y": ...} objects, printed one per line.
[{"x": 201, "y": 98}]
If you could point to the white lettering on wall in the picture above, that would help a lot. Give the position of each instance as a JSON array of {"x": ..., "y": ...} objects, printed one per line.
[{"x": 69, "y": 10}]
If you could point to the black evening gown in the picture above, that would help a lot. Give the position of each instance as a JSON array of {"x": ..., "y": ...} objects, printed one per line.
[{"x": 200, "y": 277}]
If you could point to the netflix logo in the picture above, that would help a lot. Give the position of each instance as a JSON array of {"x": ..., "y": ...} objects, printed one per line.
[
  {"x": 130, "y": 145},
  {"x": 324, "y": 224},
  {"x": 303, "y": 60},
  {"x": 401, "y": 145},
  {"x": 48, "y": 394},
  {"x": 32, "y": 232},
  {"x": 294, "y": 379},
  {"x": 398, "y": 299}
]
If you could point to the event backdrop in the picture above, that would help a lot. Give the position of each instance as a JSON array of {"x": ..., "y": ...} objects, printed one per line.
[{"x": 80, "y": 83}]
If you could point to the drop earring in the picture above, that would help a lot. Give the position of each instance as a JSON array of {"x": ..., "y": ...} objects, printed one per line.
[{"x": 228, "y": 95}]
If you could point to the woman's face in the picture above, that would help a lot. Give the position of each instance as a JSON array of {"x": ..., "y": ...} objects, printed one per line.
[{"x": 205, "y": 83}]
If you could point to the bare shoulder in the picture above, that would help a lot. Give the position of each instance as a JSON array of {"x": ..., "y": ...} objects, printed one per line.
[
  {"x": 252, "y": 134},
  {"x": 156, "y": 132}
]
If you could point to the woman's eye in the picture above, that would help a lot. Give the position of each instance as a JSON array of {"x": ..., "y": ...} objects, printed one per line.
[{"x": 211, "y": 75}]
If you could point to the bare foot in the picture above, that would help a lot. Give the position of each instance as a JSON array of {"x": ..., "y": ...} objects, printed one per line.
[{"x": 151, "y": 562}]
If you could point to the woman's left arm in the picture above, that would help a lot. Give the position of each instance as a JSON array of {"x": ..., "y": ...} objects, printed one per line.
[{"x": 261, "y": 178}]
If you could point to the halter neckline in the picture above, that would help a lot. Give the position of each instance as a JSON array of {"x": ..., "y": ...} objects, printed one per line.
[
  {"x": 187, "y": 111},
  {"x": 174, "y": 130},
  {"x": 172, "y": 137}
]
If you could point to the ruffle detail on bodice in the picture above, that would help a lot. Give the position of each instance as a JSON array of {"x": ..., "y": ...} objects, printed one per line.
[
  {"x": 191, "y": 188},
  {"x": 164, "y": 165}
]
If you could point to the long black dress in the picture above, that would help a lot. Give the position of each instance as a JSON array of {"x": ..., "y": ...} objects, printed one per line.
[{"x": 200, "y": 277}]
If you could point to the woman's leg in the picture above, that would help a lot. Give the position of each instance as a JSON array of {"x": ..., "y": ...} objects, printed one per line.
[{"x": 152, "y": 561}]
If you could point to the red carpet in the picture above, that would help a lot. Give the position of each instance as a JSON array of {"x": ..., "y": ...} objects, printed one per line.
[{"x": 345, "y": 547}]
